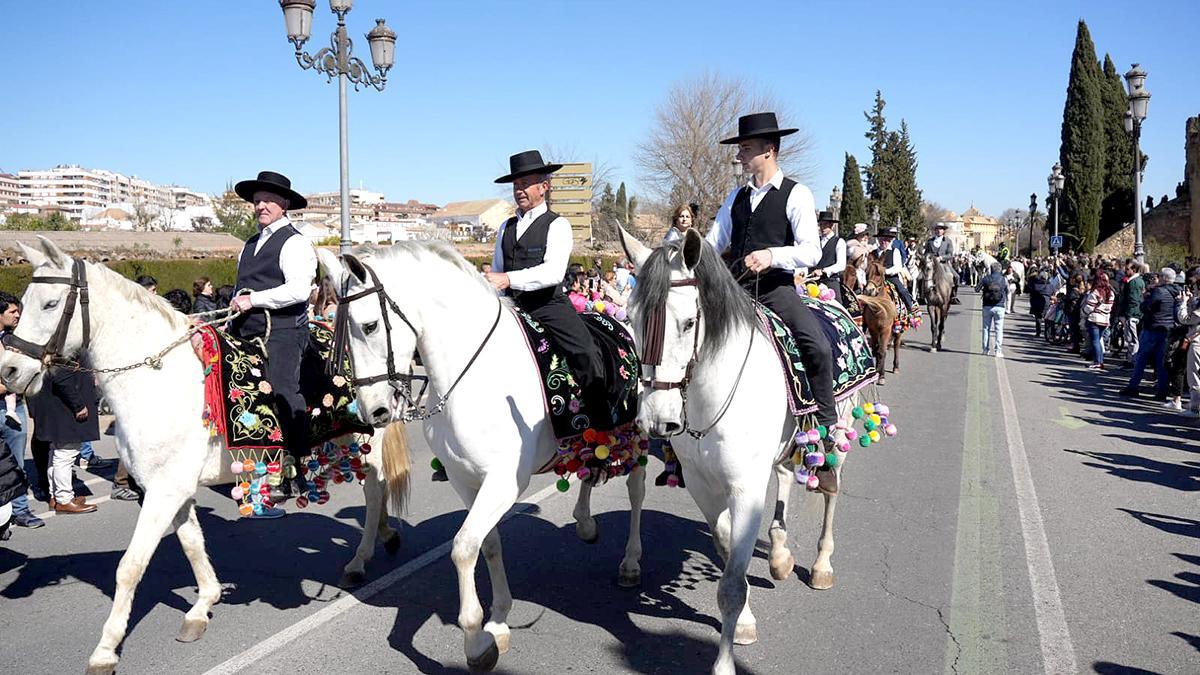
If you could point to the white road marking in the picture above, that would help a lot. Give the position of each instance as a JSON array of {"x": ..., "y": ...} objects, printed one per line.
[
  {"x": 1058, "y": 653},
  {"x": 254, "y": 655}
]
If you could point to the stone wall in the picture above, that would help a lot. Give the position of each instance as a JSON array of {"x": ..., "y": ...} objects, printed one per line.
[{"x": 117, "y": 246}]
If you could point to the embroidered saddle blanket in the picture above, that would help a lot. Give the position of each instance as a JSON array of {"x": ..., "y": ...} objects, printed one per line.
[
  {"x": 239, "y": 401},
  {"x": 853, "y": 365},
  {"x": 905, "y": 319}
]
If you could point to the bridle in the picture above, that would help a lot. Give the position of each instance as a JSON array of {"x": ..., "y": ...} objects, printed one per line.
[
  {"x": 652, "y": 350},
  {"x": 399, "y": 382},
  {"x": 50, "y": 353}
]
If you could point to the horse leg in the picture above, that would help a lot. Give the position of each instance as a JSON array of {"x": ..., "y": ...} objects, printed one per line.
[
  {"x": 585, "y": 524},
  {"x": 494, "y": 498},
  {"x": 733, "y": 593},
  {"x": 630, "y": 573},
  {"x": 191, "y": 538},
  {"x": 881, "y": 345},
  {"x": 502, "y": 599},
  {"x": 896, "y": 351},
  {"x": 159, "y": 509},
  {"x": 713, "y": 506},
  {"x": 782, "y": 562},
  {"x": 375, "y": 500},
  {"x": 822, "y": 569}
]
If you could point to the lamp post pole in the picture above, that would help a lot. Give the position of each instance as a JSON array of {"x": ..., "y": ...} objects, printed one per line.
[
  {"x": 1139, "y": 104},
  {"x": 1032, "y": 211},
  {"x": 337, "y": 60},
  {"x": 1056, "y": 181}
]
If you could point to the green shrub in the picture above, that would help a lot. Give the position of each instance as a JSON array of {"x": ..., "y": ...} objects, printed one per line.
[
  {"x": 169, "y": 273},
  {"x": 1160, "y": 255}
]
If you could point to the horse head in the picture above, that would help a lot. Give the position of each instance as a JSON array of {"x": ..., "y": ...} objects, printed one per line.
[
  {"x": 876, "y": 278},
  {"x": 51, "y": 326},
  {"x": 379, "y": 336}
]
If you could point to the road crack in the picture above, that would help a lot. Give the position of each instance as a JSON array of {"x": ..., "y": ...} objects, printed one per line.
[{"x": 940, "y": 611}]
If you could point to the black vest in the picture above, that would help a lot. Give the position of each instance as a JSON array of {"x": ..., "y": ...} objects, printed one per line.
[
  {"x": 765, "y": 227},
  {"x": 829, "y": 253},
  {"x": 528, "y": 251},
  {"x": 260, "y": 272}
]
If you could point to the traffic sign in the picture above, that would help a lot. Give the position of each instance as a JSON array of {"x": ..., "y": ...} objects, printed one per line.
[{"x": 1056, "y": 241}]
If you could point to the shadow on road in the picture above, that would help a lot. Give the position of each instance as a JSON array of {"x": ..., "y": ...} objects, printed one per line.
[{"x": 1183, "y": 476}]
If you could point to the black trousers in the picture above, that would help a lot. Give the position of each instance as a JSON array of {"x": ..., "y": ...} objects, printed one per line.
[
  {"x": 285, "y": 350},
  {"x": 815, "y": 350},
  {"x": 902, "y": 289},
  {"x": 573, "y": 338}
]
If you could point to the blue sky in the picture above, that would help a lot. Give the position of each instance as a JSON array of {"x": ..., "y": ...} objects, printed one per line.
[{"x": 200, "y": 93}]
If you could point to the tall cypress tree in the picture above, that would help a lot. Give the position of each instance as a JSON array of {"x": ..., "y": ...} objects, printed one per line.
[
  {"x": 1083, "y": 143},
  {"x": 621, "y": 204},
  {"x": 903, "y": 170},
  {"x": 1116, "y": 210},
  {"x": 854, "y": 203},
  {"x": 877, "y": 172}
]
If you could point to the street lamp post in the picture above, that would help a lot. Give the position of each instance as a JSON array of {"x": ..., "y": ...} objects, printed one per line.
[
  {"x": 1032, "y": 211},
  {"x": 337, "y": 60},
  {"x": 875, "y": 218},
  {"x": 1056, "y": 181},
  {"x": 1139, "y": 104}
]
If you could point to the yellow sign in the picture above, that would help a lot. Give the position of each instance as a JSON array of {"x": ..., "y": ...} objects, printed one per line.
[
  {"x": 580, "y": 221},
  {"x": 568, "y": 195},
  {"x": 579, "y": 208},
  {"x": 571, "y": 168},
  {"x": 575, "y": 182}
]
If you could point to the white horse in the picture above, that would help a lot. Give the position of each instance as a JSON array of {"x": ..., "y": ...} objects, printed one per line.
[
  {"x": 160, "y": 437},
  {"x": 734, "y": 427},
  {"x": 1016, "y": 283},
  {"x": 489, "y": 428}
]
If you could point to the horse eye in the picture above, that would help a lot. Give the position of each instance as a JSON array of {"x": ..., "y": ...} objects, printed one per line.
[
  {"x": 689, "y": 324},
  {"x": 50, "y": 305},
  {"x": 369, "y": 328}
]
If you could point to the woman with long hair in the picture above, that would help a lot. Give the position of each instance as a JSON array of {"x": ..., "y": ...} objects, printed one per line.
[
  {"x": 324, "y": 304},
  {"x": 682, "y": 220},
  {"x": 204, "y": 297},
  {"x": 1073, "y": 307},
  {"x": 1097, "y": 308}
]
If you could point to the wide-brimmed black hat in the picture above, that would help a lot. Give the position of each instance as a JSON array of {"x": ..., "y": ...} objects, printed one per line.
[
  {"x": 526, "y": 163},
  {"x": 758, "y": 125},
  {"x": 826, "y": 217},
  {"x": 275, "y": 183},
  {"x": 888, "y": 232}
]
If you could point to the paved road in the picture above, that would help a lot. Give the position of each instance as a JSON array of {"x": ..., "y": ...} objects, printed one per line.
[{"x": 1025, "y": 520}]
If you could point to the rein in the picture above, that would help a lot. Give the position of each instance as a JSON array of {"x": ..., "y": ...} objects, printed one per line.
[{"x": 399, "y": 382}]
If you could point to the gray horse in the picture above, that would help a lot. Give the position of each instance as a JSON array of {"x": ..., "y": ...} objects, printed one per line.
[{"x": 937, "y": 285}]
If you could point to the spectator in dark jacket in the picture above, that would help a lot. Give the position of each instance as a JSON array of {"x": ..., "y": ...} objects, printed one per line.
[
  {"x": 1131, "y": 306},
  {"x": 12, "y": 486},
  {"x": 1040, "y": 291},
  {"x": 1158, "y": 318},
  {"x": 204, "y": 296},
  {"x": 64, "y": 415}
]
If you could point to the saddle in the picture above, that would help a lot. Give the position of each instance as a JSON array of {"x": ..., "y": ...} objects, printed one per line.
[
  {"x": 597, "y": 435},
  {"x": 905, "y": 319},
  {"x": 853, "y": 363}
]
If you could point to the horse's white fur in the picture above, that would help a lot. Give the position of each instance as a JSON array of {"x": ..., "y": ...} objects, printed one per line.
[
  {"x": 159, "y": 437},
  {"x": 493, "y": 434},
  {"x": 727, "y": 471}
]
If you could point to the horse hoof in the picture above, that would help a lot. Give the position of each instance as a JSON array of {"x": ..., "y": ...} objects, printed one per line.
[
  {"x": 821, "y": 580},
  {"x": 102, "y": 665},
  {"x": 587, "y": 533},
  {"x": 629, "y": 579},
  {"x": 352, "y": 579},
  {"x": 933, "y": 349},
  {"x": 486, "y": 661},
  {"x": 745, "y": 634},
  {"x": 392, "y": 546},
  {"x": 782, "y": 565},
  {"x": 501, "y": 634},
  {"x": 881, "y": 382},
  {"x": 191, "y": 630}
]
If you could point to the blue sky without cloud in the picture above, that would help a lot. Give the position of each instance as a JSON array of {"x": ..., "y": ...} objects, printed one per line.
[{"x": 201, "y": 93}]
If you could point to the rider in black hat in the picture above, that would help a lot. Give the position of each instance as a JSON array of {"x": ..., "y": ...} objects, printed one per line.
[
  {"x": 833, "y": 254},
  {"x": 893, "y": 264},
  {"x": 274, "y": 281},
  {"x": 940, "y": 246},
  {"x": 533, "y": 249},
  {"x": 767, "y": 230}
]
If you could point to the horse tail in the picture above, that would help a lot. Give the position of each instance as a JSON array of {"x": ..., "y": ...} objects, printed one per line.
[{"x": 397, "y": 463}]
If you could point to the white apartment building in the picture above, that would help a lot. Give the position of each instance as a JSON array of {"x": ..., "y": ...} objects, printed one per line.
[
  {"x": 358, "y": 198},
  {"x": 72, "y": 189},
  {"x": 10, "y": 189}
]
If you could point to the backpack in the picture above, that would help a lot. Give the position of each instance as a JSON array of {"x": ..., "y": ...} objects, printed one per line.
[{"x": 993, "y": 291}]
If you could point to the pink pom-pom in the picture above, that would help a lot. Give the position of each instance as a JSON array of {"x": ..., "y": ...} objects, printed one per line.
[
  {"x": 235, "y": 467},
  {"x": 583, "y": 473},
  {"x": 827, "y": 295},
  {"x": 890, "y": 430},
  {"x": 883, "y": 410},
  {"x": 237, "y": 493},
  {"x": 813, "y": 482},
  {"x": 851, "y": 433},
  {"x": 814, "y": 436},
  {"x": 579, "y": 303},
  {"x": 814, "y": 459},
  {"x": 673, "y": 480},
  {"x": 844, "y": 446},
  {"x": 620, "y": 314}
]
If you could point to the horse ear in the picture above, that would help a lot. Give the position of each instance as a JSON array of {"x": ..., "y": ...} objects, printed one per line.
[
  {"x": 330, "y": 263},
  {"x": 693, "y": 244},
  {"x": 35, "y": 257},
  {"x": 355, "y": 268},
  {"x": 54, "y": 254},
  {"x": 635, "y": 251}
]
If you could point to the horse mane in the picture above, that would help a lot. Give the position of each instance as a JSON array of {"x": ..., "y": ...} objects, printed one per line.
[
  {"x": 137, "y": 295},
  {"x": 723, "y": 303},
  {"x": 427, "y": 250}
]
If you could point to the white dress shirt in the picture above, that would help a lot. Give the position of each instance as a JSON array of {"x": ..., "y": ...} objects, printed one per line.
[
  {"x": 839, "y": 264},
  {"x": 892, "y": 261},
  {"x": 804, "y": 252},
  {"x": 554, "y": 264},
  {"x": 297, "y": 259},
  {"x": 672, "y": 235}
]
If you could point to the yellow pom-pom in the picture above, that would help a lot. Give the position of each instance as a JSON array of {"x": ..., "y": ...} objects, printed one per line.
[
  {"x": 599, "y": 306},
  {"x": 601, "y": 452},
  {"x": 876, "y": 418},
  {"x": 812, "y": 290},
  {"x": 868, "y": 407},
  {"x": 874, "y": 436}
]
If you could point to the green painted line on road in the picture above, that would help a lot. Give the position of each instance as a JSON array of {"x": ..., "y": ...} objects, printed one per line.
[
  {"x": 976, "y": 617},
  {"x": 1068, "y": 420}
]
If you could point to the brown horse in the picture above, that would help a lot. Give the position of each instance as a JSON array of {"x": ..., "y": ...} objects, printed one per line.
[{"x": 879, "y": 312}]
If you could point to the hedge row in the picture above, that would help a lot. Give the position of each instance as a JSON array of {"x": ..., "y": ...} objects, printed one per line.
[
  {"x": 169, "y": 273},
  {"x": 181, "y": 273}
]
